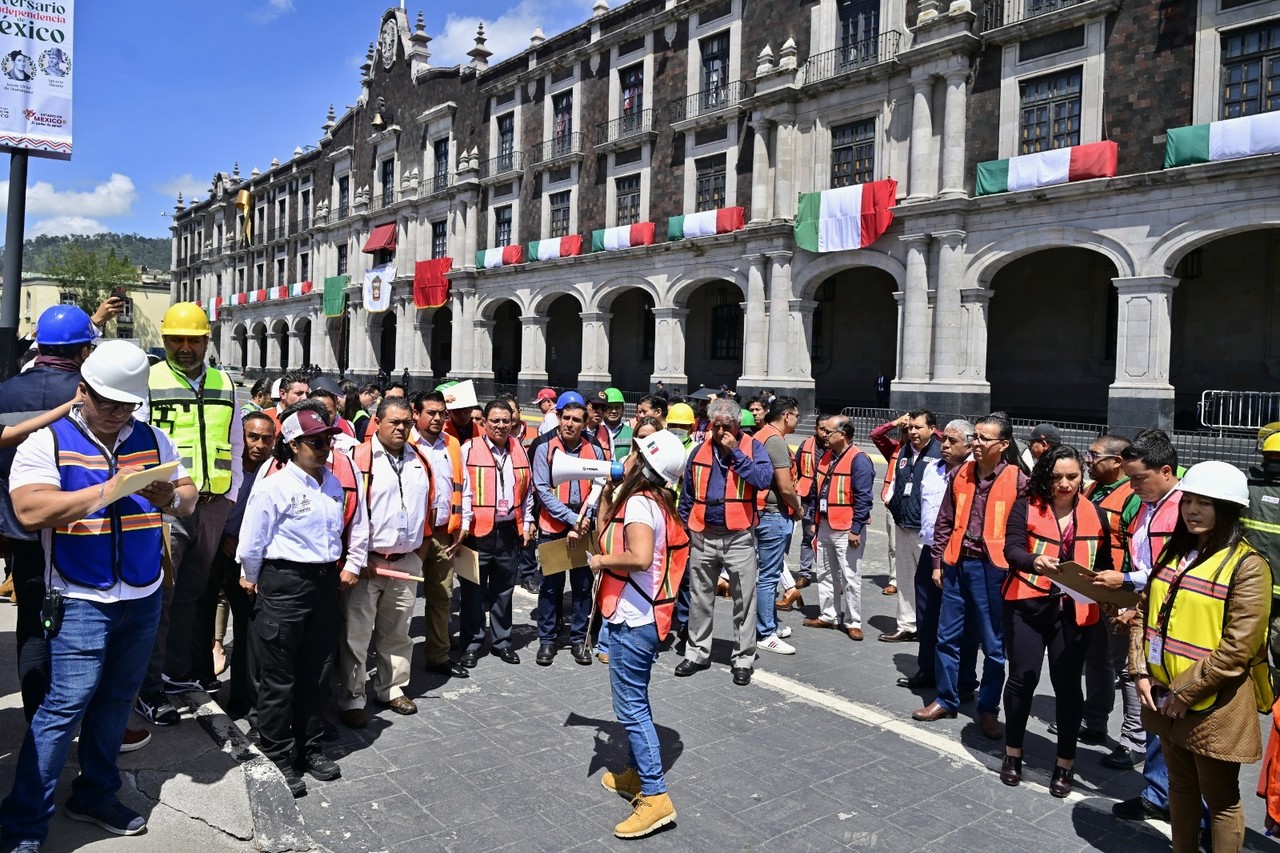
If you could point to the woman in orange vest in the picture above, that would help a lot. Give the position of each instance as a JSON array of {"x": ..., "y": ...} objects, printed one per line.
[
  {"x": 1049, "y": 524},
  {"x": 643, "y": 553}
]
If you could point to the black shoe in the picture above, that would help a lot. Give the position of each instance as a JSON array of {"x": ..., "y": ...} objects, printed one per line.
[
  {"x": 915, "y": 682},
  {"x": 687, "y": 667},
  {"x": 508, "y": 655},
  {"x": 1123, "y": 758},
  {"x": 320, "y": 766},
  {"x": 1053, "y": 728},
  {"x": 1011, "y": 771},
  {"x": 297, "y": 787},
  {"x": 1139, "y": 809},
  {"x": 582, "y": 654},
  {"x": 470, "y": 659},
  {"x": 741, "y": 676},
  {"x": 1063, "y": 779},
  {"x": 546, "y": 654},
  {"x": 157, "y": 710},
  {"x": 449, "y": 669},
  {"x": 1092, "y": 737}
]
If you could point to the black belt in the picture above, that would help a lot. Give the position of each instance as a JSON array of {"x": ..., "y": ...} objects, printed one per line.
[
  {"x": 390, "y": 558},
  {"x": 300, "y": 568},
  {"x": 972, "y": 554}
]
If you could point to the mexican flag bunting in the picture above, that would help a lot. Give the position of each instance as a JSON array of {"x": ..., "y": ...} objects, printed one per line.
[
  {"x": 335, "y": 295},
  {"x": 241, "y": 298},
  {"x": 500, "y": 256},
  {"x": 302, "y": 288},
  {"x": 259, "y": 295},
  {"x": 214, "y": 308},
  {"x": 1048, "y": 168},
  {"x": 556, "y": 247},
  {"x": 1230, "y": 139},
  {"x": 281, "y": 292},
  {"x": 377, "y": 288},
  {"x": 706, "y": 223},
  {"x": 430, "y": 286},
  {"x": 844, "y": 218},
  {"x": 622, "y": 237}
]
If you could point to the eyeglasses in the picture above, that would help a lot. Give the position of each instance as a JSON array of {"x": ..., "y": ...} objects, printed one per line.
[
  {"x": 984, "y": 440},
  {"x": 317, "y": 442},
  {"x": 111, "y": 407},
  {"x": 1090, "y": 456},
  {"x": 499, "y": 423}
]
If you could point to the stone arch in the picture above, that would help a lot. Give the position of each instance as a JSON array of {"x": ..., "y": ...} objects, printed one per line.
[
  {"x": 1181, "y": 239},
  {"x": 993, "y": 257},
  {"x": 301, "y": 326},
  {"x": 821, "y": 268},
  {"x": 488, "y": 308},
  {"x": 542, "y": 302},
  {"x": 605, "y": 295},
  {"x": 258, "y": 346},
  {"x": 684, "y": 286}
]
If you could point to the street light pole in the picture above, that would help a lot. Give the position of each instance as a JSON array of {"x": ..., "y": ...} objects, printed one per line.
[{"x": 13, "y": 243}]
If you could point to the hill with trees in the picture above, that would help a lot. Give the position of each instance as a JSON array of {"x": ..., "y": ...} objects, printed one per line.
[{"x": 45, "y": 253}]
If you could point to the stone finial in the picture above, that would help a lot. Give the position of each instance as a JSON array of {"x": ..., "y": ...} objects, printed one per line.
[
  {"x": 179, "y": 205},
  {"x": 235, "y": 172},
  {"x": 600, "y": 7},
  {"x": 421, "y": 25},
  {"x": 538, "y": 37},
  {"x": 329, "y": 122},
  {"x": 960, "y": 7},
  {"x": 764, "y": 63},
  {"x": 480, "y": 54},
  {"x": 787, "y": 55},
  {"x": 255, "y": 173},
  {"x": 297, "y": 151},
  {"x": 928, "y": 9},
  {"x": 275, "y": 161}
]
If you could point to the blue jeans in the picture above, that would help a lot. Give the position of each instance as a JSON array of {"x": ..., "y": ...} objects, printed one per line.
[
  {"x": 602, "y": 639},
  {"x": 631, "y": 657},
  {"x": 551, "y": 602},
  {"x": 773, "y": 541},
  {"x": 1156, "y": 774},
  {"x": 98, "y": 660},
  {"x": 970, "y": 596}
]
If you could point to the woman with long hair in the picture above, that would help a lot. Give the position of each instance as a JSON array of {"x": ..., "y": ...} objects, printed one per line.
[
  {"x": 1049, "y": 524},
  {"x": 643, "y": 551},
  {"x": 354, "y": 410},
  {"x": 1198, "y": 659}
]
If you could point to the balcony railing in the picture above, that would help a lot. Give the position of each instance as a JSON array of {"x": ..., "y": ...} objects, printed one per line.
[
  {"x": 999, "y": 13},
  {"x": 302, "y": 223},
  {"x": 343, "y": 209},
  {"x": 623, "y": 127},
  {"x": 387, "y": 199},
  {"x": 564, "y": 145},
  {"x": 438, "y": 183},
  {"x": 853, "y": 56},
  {"x": 512, "y": 161},
  {"x": 708, "y": 101}
]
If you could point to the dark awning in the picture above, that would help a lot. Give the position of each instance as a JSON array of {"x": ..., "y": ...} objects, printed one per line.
[{"x": 383, "y": 237}]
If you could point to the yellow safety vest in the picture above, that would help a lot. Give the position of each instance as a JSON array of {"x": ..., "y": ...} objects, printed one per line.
[
  {"x": 1185, "y": 612},
  {"x": 198, "y": 420}
]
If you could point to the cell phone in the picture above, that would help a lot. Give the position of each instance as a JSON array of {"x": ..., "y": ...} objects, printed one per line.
[
  {"x": 118, "y": 293},
  {"x": 51, "y": 613}
]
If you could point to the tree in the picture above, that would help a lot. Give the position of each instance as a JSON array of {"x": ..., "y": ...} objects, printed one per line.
[{"x": 90, "y": 276}]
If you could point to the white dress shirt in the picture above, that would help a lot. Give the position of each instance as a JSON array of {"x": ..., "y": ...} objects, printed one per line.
[
  {"x": 933, "y": 485},
  {"x": 506, "y": 487},
  {"x": 437, "y": 454},
  {"x": 397, "y": 500},
  {"x": 1141, "y": 560}
]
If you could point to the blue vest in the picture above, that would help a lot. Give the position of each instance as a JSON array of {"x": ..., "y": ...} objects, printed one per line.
[
  {"x": 121, "y": 541},
  {"x": 22, "y": 397}
]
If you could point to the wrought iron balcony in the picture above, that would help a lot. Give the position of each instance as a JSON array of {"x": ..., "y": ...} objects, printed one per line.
[
  {"x": 562, "y": 147},
  {"x": 708, "y": 102},
  {"x": 852, "y": 57},
  {"x": 999, "y": 13},
  {"x": 387, "y": 199},
  {"x": 502, "y": 165},
  {"x": 630, "y": 127},
  {"x": 343, "y": 210},
  {"x": 302, "y": 223},
  {"x": 438, "y": 182}
]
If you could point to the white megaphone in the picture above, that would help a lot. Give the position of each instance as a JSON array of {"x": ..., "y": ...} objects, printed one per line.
[{"x": 565, "y": 468}]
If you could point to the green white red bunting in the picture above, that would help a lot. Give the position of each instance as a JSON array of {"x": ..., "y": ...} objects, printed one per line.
[
  {"x": 556, "y": 247},
  {"x": 1049, "y": 168},
  {"x": 845, "y": 218},
  {"x": 622, "y": 237},
  {"x": 1229, "y": 139},
  {"x": 503, "y": 256},
  {"x": 706, "y": 223}
]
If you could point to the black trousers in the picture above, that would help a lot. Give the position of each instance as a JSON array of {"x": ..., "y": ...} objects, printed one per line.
[
  {"x": 243, "y": 666},
  {"x": 499, "y": 562},
  {"x": 1032, "y": 626},
  {"x": 295, "y": 619},
  {"x": 26, "y": 564}
]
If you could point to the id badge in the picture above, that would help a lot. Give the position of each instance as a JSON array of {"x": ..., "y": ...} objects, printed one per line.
[
  {"x": 504, "y": 506},
  {"x": 401, "y": 521},
  {"x": 906, "y": 490},
  {"x": 822, "y": 506},
  {"x": 1156, "y": 655}
]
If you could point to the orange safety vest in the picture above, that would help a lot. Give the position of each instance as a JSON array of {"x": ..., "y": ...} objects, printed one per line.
[
  {"x": 362, "y": 458},
  {"x": 1113, "y": 505},
  {"x": 1159, "y": 531},
  {"x": 454, "y": 449},
  {"x": 887, "y": 491},
  {"x": 839, "y": 512},
  {"x": 806, "y": 465},
  {"x": 1045, "y": 537},
  {"x": 483, "y": 471},
  {"x": 762, "y": 435},
  {"x": 605, "y": 439},
  {"x": 450, "y": 429},
  {"x": 1004, "y": 491},
  {"x": 613, "y": 541},
  {"x": 547, "y": 522},
  {"x": 740, "y": 508}
]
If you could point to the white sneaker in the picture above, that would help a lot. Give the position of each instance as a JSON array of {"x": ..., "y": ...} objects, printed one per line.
[
  {"x": 784, "y": 631},
  {"x": 775, "y": 645}
]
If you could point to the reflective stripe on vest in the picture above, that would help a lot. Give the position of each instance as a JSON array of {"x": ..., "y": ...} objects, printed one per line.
[
  {"x": 762, "y": 435},
  {"x": 198, "y": 422},
  {"x": 839, "y": 514},
  {"x": 1045, "y": 537},
  {"x": 118, "y": 543},
  {"x": 1004, "y": 491},
  {"x": 1195, "y": 621},
  {"x": 1113, "y": 504},
  {"x": 806, "y": 466},
  {"x": 454, "y": 449},
  {"x": 887, "y": 491},
  {"x": 483, "y": 470},
  {"x": 547, "y": 522},
  {"x": 613, "y": 541},
  {"x": 1262, "y": 522},
  {"x": 740, "y": 509}
]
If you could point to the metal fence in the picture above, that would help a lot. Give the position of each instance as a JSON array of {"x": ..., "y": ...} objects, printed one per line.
[{"x": 1247, "y": 411}]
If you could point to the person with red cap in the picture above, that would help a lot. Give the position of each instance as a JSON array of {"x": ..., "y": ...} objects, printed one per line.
[{"x": 550, "y": 416}]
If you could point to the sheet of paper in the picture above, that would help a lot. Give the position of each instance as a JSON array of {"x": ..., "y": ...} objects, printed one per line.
[
  {"x": 461, "y": 396},
  {"x": 556, "y": 556},
  {"x": 466, "y": 564},
  {"x": 136, "y": 482},
  {"x": 1075, "y": 579},
  {"x": 1078, "y": 596}
]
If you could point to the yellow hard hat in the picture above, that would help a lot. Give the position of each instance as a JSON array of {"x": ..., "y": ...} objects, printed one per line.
[
  {"x": 680, "y": 413},
  {"x": 1267, "y": 433},
  {"x": 1271, "y": 444},
  {"x": 185, "y": 318}
]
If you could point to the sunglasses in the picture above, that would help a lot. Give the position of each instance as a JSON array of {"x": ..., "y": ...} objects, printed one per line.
[{"x": 317, "y": 442}]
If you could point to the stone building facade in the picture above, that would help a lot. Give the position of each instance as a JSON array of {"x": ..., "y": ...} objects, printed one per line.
[{"x": 1117, "y": 299}]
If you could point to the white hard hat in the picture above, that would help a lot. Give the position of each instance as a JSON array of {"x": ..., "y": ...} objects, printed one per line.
[
  {"x": 1217, "y": 480},
  {"x": 663, "y": 452},
  {"x": 118, "y": 370}
]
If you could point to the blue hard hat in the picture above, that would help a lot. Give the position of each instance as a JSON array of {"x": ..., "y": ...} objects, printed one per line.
[
  {"x": 569, "y": 397},
  {"x": 64, "y": 325}
]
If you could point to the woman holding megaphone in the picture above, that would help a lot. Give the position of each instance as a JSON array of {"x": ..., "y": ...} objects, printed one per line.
[{"x": 643, "y": 553}]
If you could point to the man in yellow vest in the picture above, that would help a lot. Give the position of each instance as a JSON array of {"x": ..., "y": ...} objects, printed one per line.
[{"x": 195, "y": 405}]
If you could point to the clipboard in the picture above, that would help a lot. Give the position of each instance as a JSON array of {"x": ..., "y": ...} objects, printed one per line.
[
  {"x": 556, "y": 556},
  {"x": 139, "y": 480},
  {"x": 466, "y": 564},
  {"x": 461, "y": 396},
  {"x": 1075, "y": 578}
]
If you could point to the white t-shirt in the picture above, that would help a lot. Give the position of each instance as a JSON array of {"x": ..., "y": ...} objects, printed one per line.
[
  {"x": 550, "y": 421},
  {"x": 632, "y": 608}
]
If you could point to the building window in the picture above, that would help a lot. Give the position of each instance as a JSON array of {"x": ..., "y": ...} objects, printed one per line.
[
  {"x": 259, "y": 276},
  {"x": 440, "y": 154},
  {"x": 715, "y": 67},
  {"x": 304, "y": 214},
  {"x": 1251, "y": 70},
  {"x": 439, "y": 239},
  {"x": 387, "y": 178},
  {"x": 853, "y": 153},
  {"x": 304, "y": 267},
  {"x": 280, "y": 271},
  {"x": 710, "y": 183},
  {"x": 562, "y": 121},
  {"x": 726, "y": 326},
  {"x": 344, "y": 196},
  {"x": 628, "y": 190},
  {"x": 342, "y": 260},
  {"x": 506, "y": 141},
  {"x": 632, "y": 106},
  {"x": 240, "y": 280},
  {"x": 282, "y": 213},
  {"x": 502, "y": 226},
  {"x": 1050, "y": 112},
  {"x": 859, "y": 30},
  {"x": 560, "y": 214}
]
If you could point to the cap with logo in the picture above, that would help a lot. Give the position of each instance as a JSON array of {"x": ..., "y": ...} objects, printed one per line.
[{"x": 304, "y": 423}]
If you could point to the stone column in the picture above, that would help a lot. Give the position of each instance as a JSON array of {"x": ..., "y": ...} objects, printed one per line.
[
  {"x": 421, "y": 363},
  {"x": 761, "y": 186},
  {"x": 595, "y": 349},
  {"x": 779, "y": 315},
  {"x": 801, "y": 334},
  {"x": 1142, "y": 396},
  {"x": 920, "y": 162},
  {"x": 358, "y": 345},
  {"x": 973, "y": 334},
  {"x": 784, "y": 171},
  {"x": 668, "y": 346},
  {"x": 947, "y": 313},
  {"x": 469, "y": 237},
  {"x": 953, "y": 133},
  {"x": 321, "y": 352},
  {"x": 482, "y": 363},
  {"x": 253, "y": 353},
  {"x": 295, "y": 349},
  {"x": 914, "y": 330},
  {"x": 533, "y": 350},
  {"x": 755, "y": 337},
  {"x": 464, "y": 306}
]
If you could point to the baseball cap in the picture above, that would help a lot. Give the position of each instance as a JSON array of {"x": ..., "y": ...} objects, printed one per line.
[
  {"x": 327, "y": 385},
  {"x": 1045, "y": 432},
  {"x": 546, "y": 394},
  {"x": 599, "y": 399},
  {"x": 305, "y": 422}
]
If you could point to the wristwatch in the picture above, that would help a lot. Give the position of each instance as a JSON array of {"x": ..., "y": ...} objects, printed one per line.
[{"x": 176, "y": 502}]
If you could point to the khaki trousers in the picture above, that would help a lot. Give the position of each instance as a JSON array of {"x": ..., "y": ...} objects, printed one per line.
[
  {"x": 1192, "y": 777},
  {"x": 437, "y": 568},
  {"x": 380, "y": 608}
]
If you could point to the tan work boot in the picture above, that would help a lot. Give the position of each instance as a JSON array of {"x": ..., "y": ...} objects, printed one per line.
[
  {"x": 627, "y": 782},
  {"x": 651, "y": 813}
]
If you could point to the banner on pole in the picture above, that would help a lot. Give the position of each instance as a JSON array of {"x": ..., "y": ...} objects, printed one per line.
[{"x": 35, "y": 77}]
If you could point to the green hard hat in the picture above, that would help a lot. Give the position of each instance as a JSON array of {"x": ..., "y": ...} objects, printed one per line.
[
  {"x": 748, "y": 419},
  {"x": 445, "y": 386},
  {"x": 613, "y": 395}
]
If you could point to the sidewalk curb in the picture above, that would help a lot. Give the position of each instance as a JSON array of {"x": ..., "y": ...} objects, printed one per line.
[{"x": 277, "y": 823}]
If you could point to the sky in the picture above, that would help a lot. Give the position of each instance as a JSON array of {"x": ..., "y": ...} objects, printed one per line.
[{"x": 168, "y": 92}]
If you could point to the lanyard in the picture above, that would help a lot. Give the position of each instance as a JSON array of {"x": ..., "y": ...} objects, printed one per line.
[
  {"x": 500, "y": 457},
  {"x": 826, "y": 481}
]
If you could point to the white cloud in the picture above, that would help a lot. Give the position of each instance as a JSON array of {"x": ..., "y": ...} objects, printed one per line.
[
  {"x": 60, "y": 226},
  {"x": 271, "y": 10},
  {"x": 509, "y": 33},
  {"x": 188, "y": 184},
  {"x": 113, "y": 197}
]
